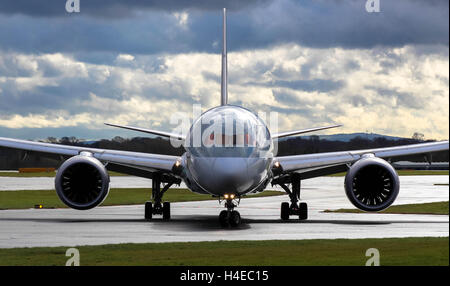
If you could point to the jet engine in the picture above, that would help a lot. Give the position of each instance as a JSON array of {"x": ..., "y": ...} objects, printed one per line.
[
  {"x": 371, "y": 184},
  {"x": 82, "y": 182}
]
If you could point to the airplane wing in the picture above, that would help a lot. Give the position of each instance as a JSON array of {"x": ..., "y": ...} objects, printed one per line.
[
  {"x": 331, "y": 160},
  {"x": 302, "y": 131},
  {"x": 143, "y": 161},
  {"x": 150, "y": 131}
]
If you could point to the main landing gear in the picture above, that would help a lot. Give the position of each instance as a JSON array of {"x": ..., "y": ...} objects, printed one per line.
[
  {"x": 230, "y": 217},
  {"x": 295, "y": 207},
  {"x": 157, "y": 207}
]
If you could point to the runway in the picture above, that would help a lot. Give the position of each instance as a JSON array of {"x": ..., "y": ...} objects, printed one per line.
[{"x": 197, "y": 221}]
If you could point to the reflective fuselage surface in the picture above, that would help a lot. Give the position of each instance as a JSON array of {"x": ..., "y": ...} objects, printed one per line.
[{"x": 228, "y": 151}]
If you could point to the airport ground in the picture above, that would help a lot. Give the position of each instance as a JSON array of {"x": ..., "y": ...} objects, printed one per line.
[
  {"x": 424, "y": 251},
  {"x": 118, "y": 235}
]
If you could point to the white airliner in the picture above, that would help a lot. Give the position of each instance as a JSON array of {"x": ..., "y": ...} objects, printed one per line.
[{"x": 227, "y": 163}]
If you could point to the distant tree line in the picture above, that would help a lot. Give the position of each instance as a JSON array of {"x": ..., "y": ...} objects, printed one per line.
[{"x": 12, "y": 159}]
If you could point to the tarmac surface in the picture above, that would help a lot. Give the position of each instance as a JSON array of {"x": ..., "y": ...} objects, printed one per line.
[{"x": 198, "y": 221}]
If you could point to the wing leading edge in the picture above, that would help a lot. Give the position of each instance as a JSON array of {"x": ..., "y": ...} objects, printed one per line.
[
  {"x": 150, "y": 131},
  {"x": 150, "y": 162},
  {"x": 302, "y": 131}
]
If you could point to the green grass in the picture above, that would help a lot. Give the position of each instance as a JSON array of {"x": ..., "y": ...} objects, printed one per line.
[
  {"x": 438, "y": 208},
  {"x": 408, "y": 173},
  {"x": 393, "y": 251},
  {"x": 49, "y": 199}
]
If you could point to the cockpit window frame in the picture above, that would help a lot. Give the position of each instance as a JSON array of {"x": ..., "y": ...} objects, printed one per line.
[{"x": 215, "y": 122}]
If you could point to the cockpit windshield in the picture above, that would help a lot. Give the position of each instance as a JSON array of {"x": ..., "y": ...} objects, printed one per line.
[{"x": 229, "y": 131}]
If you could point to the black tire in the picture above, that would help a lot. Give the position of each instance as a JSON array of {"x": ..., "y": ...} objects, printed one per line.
[
  {"x": 303, "y": 211},
  {"x": 235, "y": 219},
  {"x": 166, "y": 210},
  {"x": 224, "y": 219},
  {"x": 148, "y": 210},
  {"x": 285, "y": 211}
]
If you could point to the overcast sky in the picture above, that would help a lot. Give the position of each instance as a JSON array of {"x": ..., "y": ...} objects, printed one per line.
[{"x": 315, "y": 62}]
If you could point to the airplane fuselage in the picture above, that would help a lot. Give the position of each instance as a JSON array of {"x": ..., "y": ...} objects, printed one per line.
[{"x": 228, "y": 151}]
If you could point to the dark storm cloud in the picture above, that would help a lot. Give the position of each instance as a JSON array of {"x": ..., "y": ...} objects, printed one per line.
[
  {"x": 211, "y": 76},
  {"x": 24, "y": 92},
  {"x": 117, "y": 8},
  {"x": 80, "y": 132},
  {"x": 45, "y": 98},
  {"x": 148, "y": 27},
  {"x": 304, "y": 111},
  {"x": 319, "y": 85},
  {"x": 309, "y": 85},
  {"x": 73, "y": 96},
  {"x": 404, "y": 99},
  {"x": 149, "y": 30},
  {"x": 358, "y": 100},
  {"x": 285, "y": 97}
]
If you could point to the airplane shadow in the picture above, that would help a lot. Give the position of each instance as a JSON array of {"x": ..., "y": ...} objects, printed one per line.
[{"x": 208, "y": 223}]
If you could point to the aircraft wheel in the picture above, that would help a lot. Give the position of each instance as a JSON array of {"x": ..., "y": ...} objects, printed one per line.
[
  {"x": 148, "y": 210},
  {"x": 223, "y": 218},
  {"x": 235, "y": 218},
  {"x": 166, "y": 210},
  {"x": 285, "y": 211},
  {"x": 303, "y": 211}
]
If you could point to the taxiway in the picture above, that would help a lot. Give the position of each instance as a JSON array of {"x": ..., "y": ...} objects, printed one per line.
[{"x": 198, "y": 221}]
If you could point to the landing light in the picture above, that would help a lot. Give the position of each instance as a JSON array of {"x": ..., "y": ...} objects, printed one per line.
[
  {"x": 176, "y": 168},
  {"x": 277, "y": 169},
  {"x": 229, "y": 196}
]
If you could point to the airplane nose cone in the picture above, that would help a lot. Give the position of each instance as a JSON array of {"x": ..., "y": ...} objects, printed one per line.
[
  {"x": 231, "y": 174},
  {"x": 221, "y": 175}
]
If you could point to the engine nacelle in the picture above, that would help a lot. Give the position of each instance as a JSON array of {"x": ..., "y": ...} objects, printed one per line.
[
  {"x": 82, "y": 182},
  {"x": 372, "y": 184}
]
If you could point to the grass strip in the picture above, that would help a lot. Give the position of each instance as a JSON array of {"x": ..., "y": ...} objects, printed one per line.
[
  {"x": 393, "y": 251},
  {"x": 43, "y": 174},
  {"x": 131, "y": 196}
]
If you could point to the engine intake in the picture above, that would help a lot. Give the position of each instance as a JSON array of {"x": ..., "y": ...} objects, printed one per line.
[
  {"x": 372, "y": 184},
  {"x": 82, "y": 182}
]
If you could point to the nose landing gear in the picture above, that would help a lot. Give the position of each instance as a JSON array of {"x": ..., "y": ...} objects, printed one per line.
[{"x": 230, "y": 217}]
